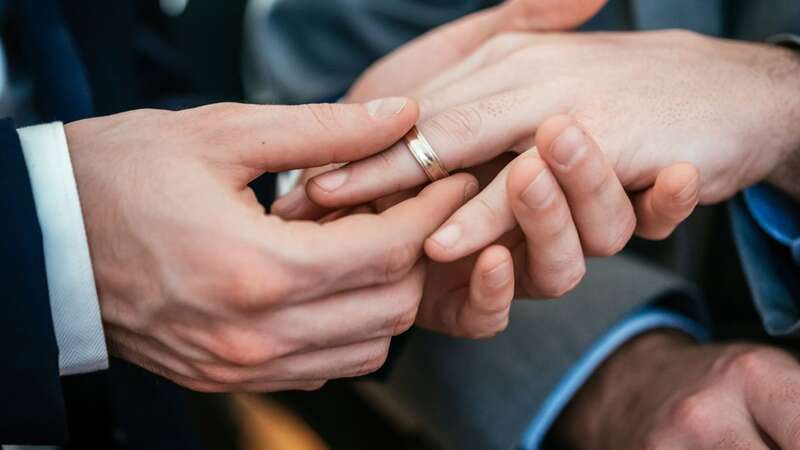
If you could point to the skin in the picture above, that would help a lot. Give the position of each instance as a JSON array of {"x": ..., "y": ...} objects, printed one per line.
[
  {"x": 198, "y": 284},
  {"x": 683, "y": 396},
  {"x": 612, "y": 181},
  {"x": 470, "y": 297},
  {"x": 544, "y": 247}
]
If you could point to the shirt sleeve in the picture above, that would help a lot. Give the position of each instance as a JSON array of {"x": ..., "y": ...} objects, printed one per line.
[
  {"x": 70, "y": 278},
  {"x": 635, "y": 324}
]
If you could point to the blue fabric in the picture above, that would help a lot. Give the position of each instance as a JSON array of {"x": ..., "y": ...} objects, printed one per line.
[
  {"x": 777, "y": 214},
  {"x": 763, "y": 233},
  {"x": 31, "y": 405},
  {"x": 639, "y": 322}
]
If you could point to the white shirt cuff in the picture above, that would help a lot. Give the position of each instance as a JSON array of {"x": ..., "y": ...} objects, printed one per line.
[
  {"x": 287, "y": 181},
  {"x": 70, "y": 280}
]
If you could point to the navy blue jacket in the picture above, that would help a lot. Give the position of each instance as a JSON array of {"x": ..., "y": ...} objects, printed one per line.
[
  {"x": 31, "y": 404},
  {"x": 122, "y": 56}
]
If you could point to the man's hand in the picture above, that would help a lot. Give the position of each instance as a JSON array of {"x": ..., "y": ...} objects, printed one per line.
[
  {"x": 400, "y": 72},
  {"x": 662, "y": 391},
  {"x": 640, "y": 104},
  {"x": 198, "y": 284},
  {"x": 786, "y": 175}
]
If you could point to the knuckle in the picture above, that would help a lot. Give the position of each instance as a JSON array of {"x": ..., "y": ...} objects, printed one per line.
[
  {"x": 408, "y": 306},
  {"x": 614, "y": 242},
  {"x": 487, "y": 211},
  {"x": 375, "y": 360},
  {"x": 243, "y": 288},
  {"x": 754, "y": 363},
  {"x": 404, "y": 322},
  {"x": 273, "y": 291},
  {"x": 556, "y": 220},
  {"x": 490, "y": 330},
  {"x": 399, "y": 260},
  {"x": 459, "y": 125},
  {"x": 325, "y": 116},
  {"x": 241, "y": 349},
  {"x": 313, "y": 385},
  {"x": 559, "y": 279},
  {"x": 694, "y": 415},
  {"x": 222, "y": 375},
  {"x": 201, "y": 386}
]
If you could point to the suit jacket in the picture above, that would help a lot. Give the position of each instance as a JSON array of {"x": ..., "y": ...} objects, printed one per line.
[{"x": 32, "y": 408}]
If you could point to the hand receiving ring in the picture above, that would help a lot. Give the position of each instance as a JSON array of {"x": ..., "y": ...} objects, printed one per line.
[{"x": 425, "y": 155}]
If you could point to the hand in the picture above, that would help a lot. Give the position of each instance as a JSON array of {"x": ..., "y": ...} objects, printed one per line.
[
  {"x": 451, "y": 43},
  {"x": 631, "y": 100},
  {"x": 662, "y": 391},
  {"x": 470, "y": 298},
  {"x": 198, "y": 284},
  {"x": 786, "y": 175}
]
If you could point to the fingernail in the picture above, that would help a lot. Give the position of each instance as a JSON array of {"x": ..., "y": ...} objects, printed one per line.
[
  {"x": 470, "y": 190},
  {"x": 570, "y": 147},
  {"x": 386, "y": 107},
  {"x": 447, "y": 236},
  {"x": 333, "y": 180},
  {"x": 499, "y": 276},
  {"x": 289, "y": 202},
  {"x": 539, "y": 192}
]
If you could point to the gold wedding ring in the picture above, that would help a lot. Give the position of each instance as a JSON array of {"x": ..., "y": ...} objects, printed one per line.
[{"x": 424, "y": 154}]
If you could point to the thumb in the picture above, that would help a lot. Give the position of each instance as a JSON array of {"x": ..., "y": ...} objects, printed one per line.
[
  {"x": 278, "y": 138},
  {"x": 452, "y": 42}
]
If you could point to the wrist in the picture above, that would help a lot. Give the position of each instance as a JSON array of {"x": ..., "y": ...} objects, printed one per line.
[{"x": 603, "y": 410}]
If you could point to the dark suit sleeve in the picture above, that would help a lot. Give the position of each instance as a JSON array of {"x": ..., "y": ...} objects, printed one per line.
[
  {"x": 773, "y": 275},
  {"x": 31, "y": 404}
]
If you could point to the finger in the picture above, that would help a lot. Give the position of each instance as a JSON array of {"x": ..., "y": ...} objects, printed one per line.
[
  {"x": 600, "y": 207},
  {"x": 554, "y": 261},
  {"x": 335, "y": 362},
  {"x": 367, "y": 249},
  {"x": 295, "y": 204},
  {"x": 155, "y": 358},
  {"x": 673, "y": 198},
  {"x": 489, "y": 53},
  {"x": 775, "y": 405},
  {"x": 479, "y": 310},
  {"x": 495, "y": 69},
  {"x": 736, "y": 432},
  {"x": 463, "y": 136},
  {"x": 260, "y": 138},
  {"x": 373, "y": 312},
  {"x": 444, "y": 46},
  {"x": 478, "y": 223}
]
